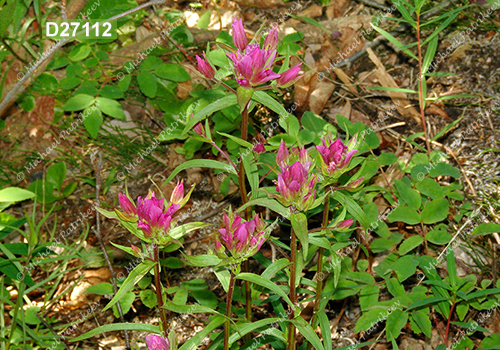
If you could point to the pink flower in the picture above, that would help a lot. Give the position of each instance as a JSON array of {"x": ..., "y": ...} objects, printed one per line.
[
  {"x": 156, "y": 342},
  {"x": 239, "y": 36},
  {"x": 153, "y": 219},
  {"x": 204, "y": 67},
  {"x": 295, "y": 186},
  {"x": 271, "y": 40},
  {"x": 241, "y": 238},
  {"x": 289, "y": 76},
  {"x": 335, "y": 156}
]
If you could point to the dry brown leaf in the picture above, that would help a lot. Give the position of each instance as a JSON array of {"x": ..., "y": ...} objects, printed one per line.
[
  {"x": 319, "y": 97},
  {"x": 402, "y": 103}
]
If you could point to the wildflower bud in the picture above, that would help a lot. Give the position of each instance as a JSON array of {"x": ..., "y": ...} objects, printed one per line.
[
  {"x": 239, "y": 36},
  {"x": 204, "y": 67},
  {"x": 178, "y": 193},
  {"x": 271, "y": 40},
  {"x": 136, "y": 250},
  {"x": 282, "y": 153},
  {"x": 336, "y": 156},
  {"x": 199, "y": 130},
  {"x": 126, "y": 204},
  {"x": 259, "y": 148},
  {"x": 156, "y": 342}
]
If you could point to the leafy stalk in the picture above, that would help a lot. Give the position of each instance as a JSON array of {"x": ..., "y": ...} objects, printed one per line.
[
  {"x": 293, "y": 294},
  {"x": 163, "y": 317},
  {"x": 229, "y": 299},
  {"x": 421, "y": 86}
]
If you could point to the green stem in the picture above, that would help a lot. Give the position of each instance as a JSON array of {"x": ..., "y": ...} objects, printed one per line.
[
  {"x": 293, "y": 294},
  {"x": 163, "y": 317},
  {"x": 448, "y": 323},
  {"x": 421, "y": 87},
  {"x": 319, "y": 286},
  {"x": 229, "y": 299}
]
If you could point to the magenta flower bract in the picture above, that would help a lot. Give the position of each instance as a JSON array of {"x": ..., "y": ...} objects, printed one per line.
[
  {"x": 335, "y": 156},
  {"x": 289, "y": 76},
  {"x": 239, "y": 36},
  {"x": 156, "y": 342},
  {"x": 153, "y": 220},
  {"x": 178, "y": 193},
  {"x": 126, "y": 204},
  {"x": 204, "y": 67},
  {"x": 241, "y": 238},
  {"x": 259, "y": 148}
]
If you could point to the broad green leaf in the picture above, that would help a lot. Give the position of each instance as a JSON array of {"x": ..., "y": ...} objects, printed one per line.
[
  {"x": 368, "y": 296},
  {"x": 201, "y": 163},
  {"x": 451, "y": 267},
  {"x": 111, "y": 108},
  {"x": 405, "y": 267},
  {"x": 271, "y": 103},
  {"x": 264, "y": 283},
  {"x": 173, "y": 72},
  {"x": 93, "y": 121},
  {"x": 137, "y": 273},
  {"x": 224, "y": 276},
  {"x": 125, "y": 303},
  {"x": 353, "y": 208},
  {"x": 79, "y": 52},
  {"x": 15, "y": 194},
  {"x": 404, "y": 214},
  {"x": 486, "y": 228},
  {"x": 118, "y": 327},
  {"x": 247, "y": 327},
  {"x": 395, "y": 323},
  {"x": 408, "y": 194},
  {"x": 147, "y": 83},
  {"x": 148, "y": 298},
  {"x": 179, "y": 231},
  {"x": 78, "y": 102},
  {"x": 435, "y": 211},
  {"x": 299, "y": 225},
  {"x": 410, "y": 244},
  {"x": 423, "y": 321},
  {"x": 492, "y": 341}
]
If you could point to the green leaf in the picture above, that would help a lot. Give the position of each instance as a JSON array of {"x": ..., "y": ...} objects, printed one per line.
[
  {"x": 201, "y": 163},
  {"x": 409, "y": 195},
  {"x": 203, "y": 260},
  {"x": 172, "y": 72},
  {"x": 268, "y": 203},
  {"x": 307, "y": 331},
  {"x": 486, "y": 228},
  {"x": 445, "y": 169},
  {"x": 118, "y": 327},
  {"x": 137, "y": 273},
  {"x": 100, "y": 289},
  {"x": 386, "y": 88},
  {"x": 147, "y": 83},
  {"x": 271, "y": 103},
  {"x": 266, "y": 284},
  {"x": 248, "y": 327},
  {"x": 111, "y": 92},
  {"x": 148, "y": 298},
  {"x": 368, "y": 296},
  {"x": 410, "y": 244},
  {"x": 311, "y": 21},
  {"x": 70, "y": 83},
  {"x": 435, "y": 211},
  {"x": 78, "y": 102},
  {"x": 79, "y": 52},
  {"x": 394, "y": 41},
  {"x": 15, "y": 194},
  {"x": 224, "y": 102},
  {"x": 443, "y": 25},
  {"x": 6, "y": 16},
  {"x": 429, "y": 54},
  {"x": 299, "y": 225},
  {"x": 326, "y": 333},
  {"x": 45, "y": 83},
  {"x": 395, "y": 323},
  {"x": 26, "y": 102},
  {"x": 353, "y": 208},
  {"x": 423, "y": 321},
  {"x": 404, "y": 214},
  {"x": 451, "y": 267},
  {"x": 93, "y": 121},
  {"x": 491, "y": 342},
  {"x": 56, "y": 174},
  {"x": 431, "y": 188},
  {"x": 239, "y": 141},
  {"x": 426, "y": 302},
  {"x": 205, "y": 298},
  {"x": 194, "y": 342},
  {"x": 405, "y": 267},
  {"x": 125, "y": 303},
  {"x": 111, "y": 108}
]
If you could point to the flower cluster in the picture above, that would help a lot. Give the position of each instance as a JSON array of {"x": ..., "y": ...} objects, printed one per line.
[
  {"x": 241, "y": 238},
  {"x": 295, "y": 184},
  {"x": 153, "y": 216},
  {"x": 336, "y": 156},
  {"x": 253, "y": 64}
]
